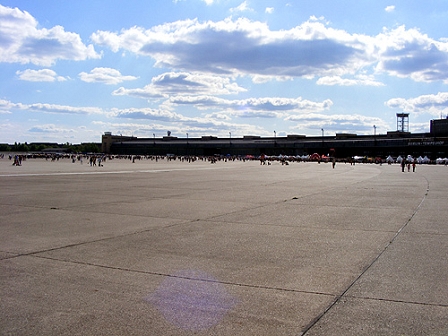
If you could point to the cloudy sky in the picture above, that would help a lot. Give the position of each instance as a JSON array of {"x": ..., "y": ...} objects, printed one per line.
[{"x": 72, "y": 70}]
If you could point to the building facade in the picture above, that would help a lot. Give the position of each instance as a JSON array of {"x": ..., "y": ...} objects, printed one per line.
[{"x": 432, "y": 145}]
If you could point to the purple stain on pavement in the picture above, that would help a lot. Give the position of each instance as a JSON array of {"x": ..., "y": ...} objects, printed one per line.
[{"x": 192, "y": 300}]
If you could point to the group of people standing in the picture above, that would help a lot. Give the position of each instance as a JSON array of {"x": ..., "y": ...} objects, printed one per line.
[
  {"x": 17, "y": 160},
  {"x": 408, "y": 164}
]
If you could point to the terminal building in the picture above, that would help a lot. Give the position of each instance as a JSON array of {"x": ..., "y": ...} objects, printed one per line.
[{"x": 342, "y": 145}]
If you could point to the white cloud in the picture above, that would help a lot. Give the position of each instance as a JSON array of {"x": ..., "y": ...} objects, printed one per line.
[
  {"x": 410, "y": 53},
  {"x": 183, "y": 83},
  {"x": 389, "y": 9},
  {"x": 359, "y": 80},
  {"x": 249, "y": 108},
  {"x": 105, "y": 75},
  {"x": 269, "y": 10},
  {"x": 434, "y": 104},
  {"x": 338, "y": 123},
  {"x": 260, "y": 79},
  {"x": 23, "y": 42},
  {"x": 196, "y": 127},
  {"x": 43, "y": 75},
  {"x": 255, "y": 106},
  {"x": 243, "y": 7},
  {"x": 146, "y": 113},
  {"x": 50, "y": 128},
  {"x": 62, "y": 109},
  {"x": 178, "y": 123},
  {"x": 6, "y": 105},
  {"x": 245, "y": 47},
  {"x": 50, "y": 108}
]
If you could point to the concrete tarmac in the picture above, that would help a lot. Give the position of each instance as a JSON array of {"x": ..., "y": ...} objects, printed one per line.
[{"x": 232, "y": 248}]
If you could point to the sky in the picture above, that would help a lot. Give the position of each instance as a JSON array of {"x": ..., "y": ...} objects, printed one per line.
[{"x": 72, "y": 70}]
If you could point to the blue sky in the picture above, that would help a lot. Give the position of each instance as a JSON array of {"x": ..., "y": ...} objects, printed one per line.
[{"x": 72, "y": 70}]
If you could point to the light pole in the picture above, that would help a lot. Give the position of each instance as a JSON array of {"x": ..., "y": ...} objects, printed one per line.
[
  {"x": 323, "y": 133},
  {"x": 374, "y": 140},
  {"x": 275, "y": 139}
]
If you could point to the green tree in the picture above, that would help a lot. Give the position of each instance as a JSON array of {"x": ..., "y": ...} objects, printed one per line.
[
  {"x": 5, "y": 148},
  {"x": 19, "y": 147},
  {"x": 89, "y": 148}
]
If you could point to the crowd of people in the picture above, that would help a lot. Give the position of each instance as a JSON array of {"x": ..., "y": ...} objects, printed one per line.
[
  {"x": 100, "y": 159},
  {"x": 17, "y": 159},
  {"x": 96, "y": 159}
]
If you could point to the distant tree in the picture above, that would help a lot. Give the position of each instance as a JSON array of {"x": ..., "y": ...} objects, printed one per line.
[
  {"x": 20, "y": 147},
  {"x": 36, "y": 148},
  {"x": 5, "y": 148},
  {"x": 89, "y": 148},
  {"x": 70, "y": 148},
  {"x": 82, "y": 148}
]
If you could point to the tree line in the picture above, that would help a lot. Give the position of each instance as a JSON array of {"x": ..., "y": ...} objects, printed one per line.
[{"x": 68, "y": 148}]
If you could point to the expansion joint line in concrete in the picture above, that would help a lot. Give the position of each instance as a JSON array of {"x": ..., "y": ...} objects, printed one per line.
[
  {"x": 228, "y": 283},
  {"x": 339, "y": 297},
  {"x": 398, "y": 301},
  {"x": 35, "y": 253}
]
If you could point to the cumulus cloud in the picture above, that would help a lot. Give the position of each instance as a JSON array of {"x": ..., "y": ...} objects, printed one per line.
[
  {"x": 178, "y": 123},
  {"x": 62, "y": 109},
  {"x": 23, "y": 42},
  {"x": 434, "y": 104},
  {"x": 105, "y": 75},
  {"x": 266, "y": 108},
  {"x": 6, "y": 105},
  {"x": 338, "y": 123},
  {"x": 253, "y": 105},
  {"x": 389, "y": 9},
  {"x": 43, "y": 75},
  {"x": 312, "y": 49},
  {"x": 269, "y": 10},
  {"x": 183, "y": 83},
  {"x": 410, "y": 53},
  {"x": 244, "y": 47},
  {"x": 359, "y": 80},
  {"x": 195, "y": 128},
  {"x": 50, "y": 128},
  {"x": 146, "y": 113},
  {"x": 50, "y": 108}
]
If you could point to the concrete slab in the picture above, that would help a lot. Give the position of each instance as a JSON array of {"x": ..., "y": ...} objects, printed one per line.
[
  {"x": 169, "y": 208},
  {"x": 352, "y": 316},
  {"x": 430, "y": 220},
  {"x": 53, "y": 297},
  {"x": 289, "y": 213},
  {"x": 290, "y": 258},
  {"x": 232, "y": 248},
  {"x": 410, "y": 271},
  {"x": 43, "y": 229}
]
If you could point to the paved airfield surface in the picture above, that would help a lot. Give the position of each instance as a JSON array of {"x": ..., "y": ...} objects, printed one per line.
[{"x": 232, "y": 248}]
